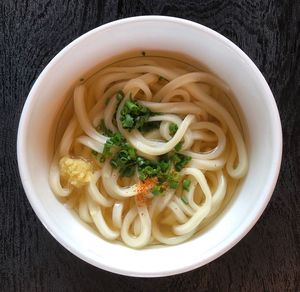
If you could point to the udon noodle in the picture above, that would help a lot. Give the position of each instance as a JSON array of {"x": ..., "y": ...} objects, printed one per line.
[{"x": 152, "y": 153}]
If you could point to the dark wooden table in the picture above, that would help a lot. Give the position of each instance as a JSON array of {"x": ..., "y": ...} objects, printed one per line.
[{"x": 33, "y": 31}]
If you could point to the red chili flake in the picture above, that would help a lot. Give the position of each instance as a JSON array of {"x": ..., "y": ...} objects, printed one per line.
[{"x": 143, "y": 188}]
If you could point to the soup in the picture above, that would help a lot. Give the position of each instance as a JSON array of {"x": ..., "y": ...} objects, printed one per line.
[{"x": 153, "y": 150}]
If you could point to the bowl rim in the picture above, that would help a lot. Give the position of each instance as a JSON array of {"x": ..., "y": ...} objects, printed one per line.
[{"x": 243, "y": 228}]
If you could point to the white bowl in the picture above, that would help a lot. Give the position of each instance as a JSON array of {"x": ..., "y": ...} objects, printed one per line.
[{"x": 253, "y": 97}]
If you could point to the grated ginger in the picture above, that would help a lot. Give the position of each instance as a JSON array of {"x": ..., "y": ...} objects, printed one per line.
[{"x": 76, "y": 171}]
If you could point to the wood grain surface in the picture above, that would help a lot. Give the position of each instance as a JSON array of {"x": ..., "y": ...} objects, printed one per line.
[{"x": 32, "y": 32}]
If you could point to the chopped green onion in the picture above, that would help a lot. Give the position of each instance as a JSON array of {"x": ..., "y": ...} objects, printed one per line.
[
  {"x": 120, "y": 95},
  {"x": 114, "y": 163},
  {"x": 173, "y": 184},
  {"x": 173, "y": 129},
  {"x": 134, "y": 115},
  {"x": 131, "y": 152},
  {"x": 156, "y": 190},
  {"x": 131, "y": 105},
  {"x": 184, "y": 200},
  {"x": 180, "y": 161},
  {"x": 178, "y": 146},
  {"x": 140, "y": 161},
  {"x": 128, "y": 122},
  {"x": 186, "y": 184},
  {"x": 115, "y": 140}
]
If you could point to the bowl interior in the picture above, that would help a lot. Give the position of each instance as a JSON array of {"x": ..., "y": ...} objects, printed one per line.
[{"x": 260, "y": 122}]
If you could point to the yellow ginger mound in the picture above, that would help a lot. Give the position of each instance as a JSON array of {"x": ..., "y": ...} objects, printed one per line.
[{"x": 76, "y": 171}]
